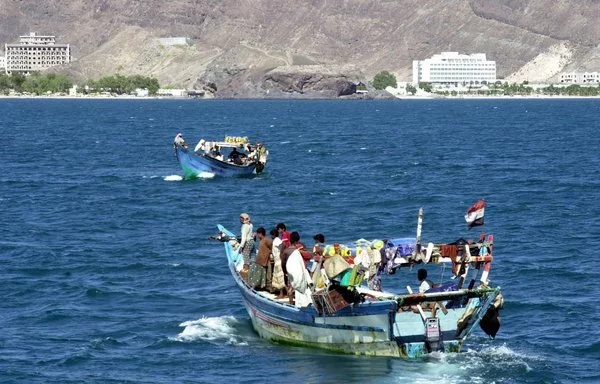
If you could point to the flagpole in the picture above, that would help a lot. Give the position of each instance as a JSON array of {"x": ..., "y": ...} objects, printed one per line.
[{"x": 418, "y": 240}]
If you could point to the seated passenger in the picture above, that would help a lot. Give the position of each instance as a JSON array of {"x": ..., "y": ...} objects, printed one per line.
[
  {"x": 426, "y": 284},
  {"x": 236, "y": 157},
  {"x": 216, "y": 153}
]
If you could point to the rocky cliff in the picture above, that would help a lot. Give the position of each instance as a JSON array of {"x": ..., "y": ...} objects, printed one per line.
[{"x": 302, "y": 48}]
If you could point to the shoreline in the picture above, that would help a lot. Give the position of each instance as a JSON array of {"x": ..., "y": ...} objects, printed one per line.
[{"x": 399, "y": 97}]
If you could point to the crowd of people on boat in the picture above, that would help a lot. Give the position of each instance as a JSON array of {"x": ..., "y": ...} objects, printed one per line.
[
  {"x": 240, "y": 154},
  {"x": 285, "y": 267}
]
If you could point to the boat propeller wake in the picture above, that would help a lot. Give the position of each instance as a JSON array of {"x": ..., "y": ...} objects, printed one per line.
[{"x": 214, "y": 329}]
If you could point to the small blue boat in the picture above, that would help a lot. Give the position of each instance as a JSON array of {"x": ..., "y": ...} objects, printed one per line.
[
  {"x": 378, "y": 323},
  {"x": 239, "y": 158}
]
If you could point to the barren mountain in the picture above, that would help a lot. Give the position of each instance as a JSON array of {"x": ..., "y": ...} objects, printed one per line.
[{"x": 255, "y": 48}]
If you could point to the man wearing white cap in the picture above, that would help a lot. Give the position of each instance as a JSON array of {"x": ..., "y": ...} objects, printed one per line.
[
  {"x": 179, "y": 142},
  {"x": 247, "y": 242}
]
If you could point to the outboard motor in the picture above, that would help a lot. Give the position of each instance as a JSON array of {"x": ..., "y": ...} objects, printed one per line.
[
  {"x": 490, "y": 322},
  {"x": 433, "y": 335}
]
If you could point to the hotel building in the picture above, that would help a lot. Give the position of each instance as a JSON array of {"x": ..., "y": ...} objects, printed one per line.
[
  {"x": 580, "y": 78},
  {"x": 452, "y": 68},
  {"x": 34, "y": 53}
]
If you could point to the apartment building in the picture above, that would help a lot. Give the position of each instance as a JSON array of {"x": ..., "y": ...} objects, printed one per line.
[{"x": 35, "y": 53}]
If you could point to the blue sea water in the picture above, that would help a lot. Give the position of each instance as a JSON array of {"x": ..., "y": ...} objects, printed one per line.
[{"x": 108, "y": 275}]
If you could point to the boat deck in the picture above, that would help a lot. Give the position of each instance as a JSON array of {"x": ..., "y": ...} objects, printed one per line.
[{"x": 273, "y": 297}]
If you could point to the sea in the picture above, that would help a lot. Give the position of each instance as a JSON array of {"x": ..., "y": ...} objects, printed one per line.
[{"x": 108, "y": 274}]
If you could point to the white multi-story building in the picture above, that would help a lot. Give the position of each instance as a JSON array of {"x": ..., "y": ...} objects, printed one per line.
[
  {"x": 454, "y": 68},
  {"x": 580, "y": 78},
  {"x": 2, "y": 62},
  {"x": 169, "y": 41},
  {"x": 34, "y": 53}
]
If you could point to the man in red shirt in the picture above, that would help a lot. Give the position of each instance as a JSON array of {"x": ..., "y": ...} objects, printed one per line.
[{"x": 284, "y": 234}]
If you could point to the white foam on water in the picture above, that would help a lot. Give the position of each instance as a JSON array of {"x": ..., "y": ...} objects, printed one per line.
[
  {"x": 173, "y": 178},
  {"x": 210, "y": 329},
  {"x": 435, "y": 371},
  {"x": 470, "y": 366},
  {"x": 503, "y": 357},
  {"x": 205, "y": 175},
  {"x": 503, "y": 351}
]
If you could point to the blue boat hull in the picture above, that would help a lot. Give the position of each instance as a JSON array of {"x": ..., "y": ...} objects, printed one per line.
[
  {"x": 374, "y": 328},
  {"x": 194, "y": 165}
]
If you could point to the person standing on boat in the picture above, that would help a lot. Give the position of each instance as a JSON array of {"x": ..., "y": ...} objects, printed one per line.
[
  {"x": 318, "y": 247},
  {"x": 426, "y": 284},
  {"x": 278, "y": 280},
  {"x": 259, "y": 271},
  {"x": 201, "y": 147},
  {"x": 318, "y": 259},
  {"x": 298, "y": 276},
  {"x": 179, "y": 142},
  {"x": 247, "y": 242},
  {"x": 284, "y": 234}
]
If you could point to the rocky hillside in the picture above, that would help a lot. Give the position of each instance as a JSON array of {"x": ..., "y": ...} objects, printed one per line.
[{"x": 266, "y": 48}]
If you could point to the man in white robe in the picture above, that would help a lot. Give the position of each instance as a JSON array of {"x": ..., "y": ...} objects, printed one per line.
[{"x": 298, "y": 275}]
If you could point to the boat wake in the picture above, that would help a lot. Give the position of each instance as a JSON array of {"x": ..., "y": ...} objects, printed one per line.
[
  {"x": 202, "y": 175},
  {"x": 173, "y": 178},
  {"x": 215, "y": 329},
  {"x": 502, "y": 355},
  {"x": 205, "y": 175},
  {"x": 466, "y": 367},
  {"x": 473, "y": 366}
]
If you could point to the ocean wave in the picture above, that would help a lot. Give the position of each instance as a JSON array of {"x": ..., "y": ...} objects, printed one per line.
[
  {"x": 214, "y": 329},
  {"x": 106, "y": 342}
]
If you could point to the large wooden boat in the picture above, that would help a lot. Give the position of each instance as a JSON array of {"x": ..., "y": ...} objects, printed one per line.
[{"x": 351, "y": 318}]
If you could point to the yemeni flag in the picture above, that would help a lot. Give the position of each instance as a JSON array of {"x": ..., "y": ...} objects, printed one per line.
[{"x": 474, "y": 216}]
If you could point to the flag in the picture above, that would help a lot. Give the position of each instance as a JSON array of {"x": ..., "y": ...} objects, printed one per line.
[{"x": 474, "y": 216}]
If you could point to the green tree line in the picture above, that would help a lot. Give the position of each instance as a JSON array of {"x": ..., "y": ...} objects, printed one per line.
[
  {"x": 41, "y": 84},
  {"x": 120, "y": 84},
  {"x": 36, "y": 83}
]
